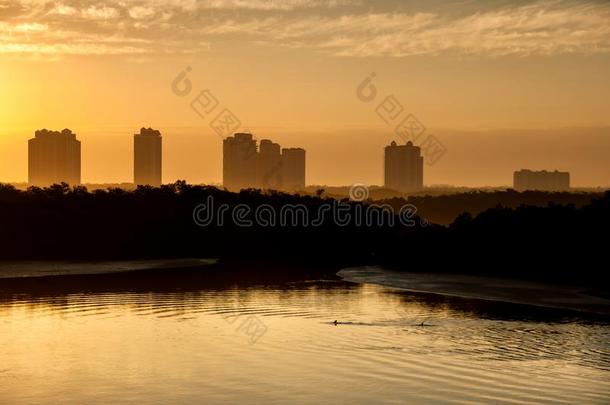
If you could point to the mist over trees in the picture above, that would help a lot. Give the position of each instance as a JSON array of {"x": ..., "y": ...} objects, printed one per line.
[{"x": 552, "y": 241}]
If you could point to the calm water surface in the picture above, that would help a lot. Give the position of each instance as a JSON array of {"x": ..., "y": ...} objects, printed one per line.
[{"x": 277, "y": 344}]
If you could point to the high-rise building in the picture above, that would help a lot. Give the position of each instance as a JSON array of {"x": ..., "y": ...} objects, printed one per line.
[
  {"x": 247, "y": 166},
  {"x": 147, "y": 157},
  {"x": 239, "y": 162},
  {"x": 541, "y": 180},
  {"x": 269, "y": 165},
  {"x": 404, "y": 168},
  {"x": 54, "y": 157},
  {"x": 293, "y": 169}
]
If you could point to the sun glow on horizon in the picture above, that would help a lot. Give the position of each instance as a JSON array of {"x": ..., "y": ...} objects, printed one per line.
[{"x": 289, "y": 70}]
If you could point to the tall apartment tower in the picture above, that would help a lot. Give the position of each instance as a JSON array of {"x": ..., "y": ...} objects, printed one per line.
[
  {"x": 541, "y": 180},
  {"x": 240, "y": 159},
  {"x": 54, "y": 157},
  {"x": 269, "y": 166},
  {"x": 147, "y": 157},
  {"x": 293, "y": 169},
  {"x": 404, "y": 168}
]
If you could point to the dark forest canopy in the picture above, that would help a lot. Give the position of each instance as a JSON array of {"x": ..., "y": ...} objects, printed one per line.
[
  {"x": 443, "y": 209},
  {"x": 563, "y": 239}
]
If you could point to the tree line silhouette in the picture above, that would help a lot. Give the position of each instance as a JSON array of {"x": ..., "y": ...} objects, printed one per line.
[
  {"x": 553, "y": 241},
  {"x": 443, "y": 209}
]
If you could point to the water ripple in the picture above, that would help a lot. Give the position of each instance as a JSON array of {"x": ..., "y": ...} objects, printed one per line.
[{"x": 377, "y": 352}]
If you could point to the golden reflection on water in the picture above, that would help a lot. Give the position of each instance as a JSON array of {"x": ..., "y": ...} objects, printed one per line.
[{"x": 279, "y": 344}]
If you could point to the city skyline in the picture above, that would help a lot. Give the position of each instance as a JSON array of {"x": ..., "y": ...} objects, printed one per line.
[
  {"x": 460, "y": 166},
  {"x": 55, "y": 157},
  {"x": 502, "y": 85},
  {"x": 304, "y": 201},
  {"x": 265, "y": 165}
]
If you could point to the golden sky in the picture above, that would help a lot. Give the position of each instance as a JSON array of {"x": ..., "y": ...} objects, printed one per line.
[{"x": 503, "y": 85}]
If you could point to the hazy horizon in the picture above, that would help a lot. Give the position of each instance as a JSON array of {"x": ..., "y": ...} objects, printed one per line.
[
  {"x": 503, "y": 85},
  {"x": 389, "y": 245},
  {"x": 473, "y": 158}
]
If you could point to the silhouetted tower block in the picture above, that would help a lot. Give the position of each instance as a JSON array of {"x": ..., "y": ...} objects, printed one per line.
[
  {"x": 293, "y": 169},
  {"x": 147, "y": 157},
  {"x": 240, "y": 159},
  {"x": 54, "y": 157},
  {"x": 247, "y": 166},
  {"x": 541, "y": 180},
  {"x": 404, "y": 168},
  {"x": 269, "y": 168}
]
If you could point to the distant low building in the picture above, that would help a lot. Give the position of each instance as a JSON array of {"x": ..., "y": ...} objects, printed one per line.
[
  {"x": 54, "y": 157},
  {"x": 403, "y": 168},
  {"x": 541, "y": 180},
  {"x": 147, "y": 157}
]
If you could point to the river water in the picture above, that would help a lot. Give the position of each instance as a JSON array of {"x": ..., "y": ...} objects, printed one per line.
[{"x": 279, "y": 344}]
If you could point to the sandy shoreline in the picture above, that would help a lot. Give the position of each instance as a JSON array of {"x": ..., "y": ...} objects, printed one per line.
[
  {"x": 9, "y": 270},
  {"x": 484, "y": 288}
]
